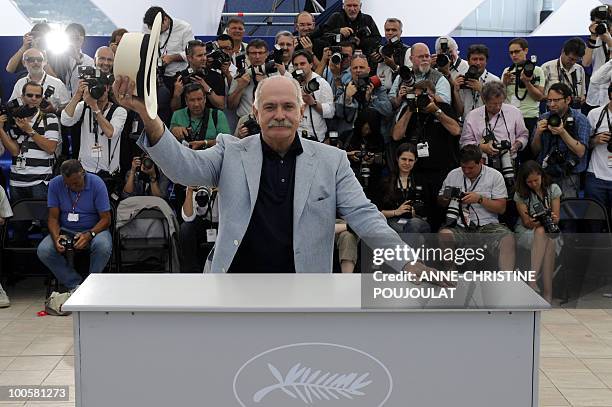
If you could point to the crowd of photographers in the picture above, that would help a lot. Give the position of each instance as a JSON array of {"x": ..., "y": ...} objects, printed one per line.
[{"x": 438, "y": 142}]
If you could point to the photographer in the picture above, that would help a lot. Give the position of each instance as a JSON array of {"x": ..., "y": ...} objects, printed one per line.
[
  {"x": 79, "y": 218},
  {"x": 495, "y": 122},
  {"x": 431, "y": 126},
  {"x": 566, "y": 69},
  {"x": 352, "y": 24},
  {"x": 525, "y": 84},
  {"x": 361, "y": 93},
  {"x": 200, "y": 214},
  {"x": 31, "y": 141},
  {"x": 447, "y": 59},
  {"x": 538, "y": 202},
  {"x": 598, "y": 52},
  {"x": 173, "y": 40},
  {"x": 561, "y": 147},
  {"x": 421, "y": 70},
  {"x": 286, "y": 42},
  {"x": 33, "y": 39},
  {"x": 235, "y": 29},
  {"x": 599, "y": 174},
  {"x": 103, "y": 59},
  {"x": 317, "y": 95},
  {"x": 145, "y": 179},
  {"x": 335, "y": 65},
  {"x": 55, "y": 95},
  {"x": 211, "y": 80},
  {"x": 242, "y": 91},
  {"x": 304, "y": 27},
  {"x": 467, "y": 88},
  {"x": 475, "y": 195},
  {"x": 392, "y": 55},
  {"x": 405, "y": 201},
  {"x": 66, "y": 65},
  {"x": 196, "y": 124},
  {"x": 100, "y": 122},
  {"x": 115, "y": 38}
]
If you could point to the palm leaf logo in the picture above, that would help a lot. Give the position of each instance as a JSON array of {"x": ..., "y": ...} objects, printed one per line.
[{"x": 304, "y": 383}]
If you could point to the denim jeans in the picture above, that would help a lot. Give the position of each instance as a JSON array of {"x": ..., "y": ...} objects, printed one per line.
[
  {"x": 599, "y": 190},
  {"x": 100, "y": 249}
]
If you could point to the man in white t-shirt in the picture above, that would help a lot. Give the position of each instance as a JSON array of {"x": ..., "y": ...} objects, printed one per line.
[
  {"x": 599, "y": 173},
  {"x": 599, "y": 47}
]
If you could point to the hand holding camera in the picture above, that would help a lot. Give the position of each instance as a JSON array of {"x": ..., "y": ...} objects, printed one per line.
[
  {"x": 470, "y": 198},
  {"x": 24, "y": 125},
  {"x": 600, "y": 138},
  {"x": 404, "y": 208},
  {"x": 346, "y": 32},
  {"x": 28, "y": 39},
  {"x": 351, "y": 90},
  {"x": 488, "y": 149}
]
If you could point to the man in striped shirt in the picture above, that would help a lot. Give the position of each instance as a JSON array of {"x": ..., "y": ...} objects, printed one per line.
[{"x": 32, "y": 141}]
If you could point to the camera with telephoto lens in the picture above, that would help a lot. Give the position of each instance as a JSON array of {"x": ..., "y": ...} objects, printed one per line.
[
  {"x": 67, "y": 242},
  {"x": 145, "y": 162},
  {"x": 333, "y": 138},
  {"x": 189, "y": 75},
  {"x": 13, "y": 110},
  {"x": 528, "y": 67},
  {"x": 392, "y": 48},
  {"x": 252, "y": 126},
  {"x": 558, "y": 161},
  {"x": 502, "y": 162},
  {"x": 544, "y": 216},
  {"x": 96, "y": 80},
  {"x": 308, "y": 87},
  {"x": 203, "y": 195},
  {"x": 444, "y": 57},
  {"x": 216, "y": 55},
  {"x": 407, "y": 76},
  {"x": 362, "y": 86},
  {"x": 363, "y": 32},
  {"x": 364, "y": 167},
  {"x": 44, "y": 103},
  {"x": 472, "y": 73},
  {"x": 337, "y": 55},
  {"x": 455, "y": 195}
]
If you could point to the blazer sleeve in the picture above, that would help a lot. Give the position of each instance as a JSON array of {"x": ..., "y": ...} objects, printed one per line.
[{"x": 183, "y": 165}]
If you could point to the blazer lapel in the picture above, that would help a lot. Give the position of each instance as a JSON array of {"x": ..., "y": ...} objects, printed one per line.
[
  {"x": 252, "y": 158},
  {"x": 304, "y": 174}
]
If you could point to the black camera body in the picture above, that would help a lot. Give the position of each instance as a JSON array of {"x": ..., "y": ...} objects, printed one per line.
[
  {"x": 417, "y": 104},
  {"x": 450, "y": 192},
  {"x": 407, "y": 75},
  {"x": 44, "y": 103},
  {"x": 337, "y": 55},
  {"x": 392, "y": 48},
  {"x": 67, "y": 241},
  {"x": 189, "y": 75},
  {"x": 444, "y": 57},
  {"x": 528, "y": 67},
  {"x": 13, "y": 110},
  {"x": 544, "y": 216},
  {"x": 277, "y": 54},
  {"x": 96, "y": 80},
  {"x": 218, "y": 59},
  {"x": 472, "y": 73},
  {"x": 309, "y": 87},
  {"x": 252, "y": 126}
]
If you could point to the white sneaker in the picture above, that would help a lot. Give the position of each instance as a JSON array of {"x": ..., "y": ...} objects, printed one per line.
[{"x": 4, "y": 299}]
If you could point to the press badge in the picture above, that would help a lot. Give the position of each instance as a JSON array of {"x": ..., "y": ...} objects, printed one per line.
[
  {"x": 609, "y": 160},
  {"x": 402, "y": 221},
  {"x": 96, "y": 151},
  {"x": 135, "y": 127},
  {"x": 211, "y": 235},
  {"x": 423, "y": 150},
  {"x": 73, "y": 217}
]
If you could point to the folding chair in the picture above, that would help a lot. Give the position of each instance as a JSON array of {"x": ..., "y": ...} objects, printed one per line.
[
  {"x": 19, "y": 259},
  {"x": 586, "y": 241},
  {"x": 145, "y": 243}
]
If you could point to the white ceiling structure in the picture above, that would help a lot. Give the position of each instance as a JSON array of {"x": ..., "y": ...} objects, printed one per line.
[
  {"x": 572, "y": 18},
  {"x": 13, "y": 20}
]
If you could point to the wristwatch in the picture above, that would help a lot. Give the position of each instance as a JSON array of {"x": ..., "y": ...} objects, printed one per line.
[
  {"x": 438, "y": 112},
  {"x": 480, "y": 199},
  {"x": 92, "y": 233},
  {"x": 209, "y": 91}
]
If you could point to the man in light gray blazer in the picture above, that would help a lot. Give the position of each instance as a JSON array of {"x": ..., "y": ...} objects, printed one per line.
[{"x": 278, "y": 193}]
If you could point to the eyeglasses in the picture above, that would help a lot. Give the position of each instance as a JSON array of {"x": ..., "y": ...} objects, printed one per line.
[
  {"x": 257, "y": 52},
  {"x": 556, "y": 100},
  {"x": 516, "y": 51},
  {"x": 34, "y": 59},
  {"x": 34, "y": 95}
]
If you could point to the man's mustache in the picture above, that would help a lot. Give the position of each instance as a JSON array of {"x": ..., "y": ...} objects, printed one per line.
[{"x": 280, "y": 123}]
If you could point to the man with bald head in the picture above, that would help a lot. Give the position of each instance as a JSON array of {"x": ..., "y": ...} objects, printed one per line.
[
  {"x": 421, "y": 64},
  {"x": 278, "y": 193},
  {"x": 104, "y": 59},
  {"x": 34, "y": 60}
]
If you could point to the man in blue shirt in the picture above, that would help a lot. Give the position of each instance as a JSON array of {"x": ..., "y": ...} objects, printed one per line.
[
  {"x": 78, "y": 208},
  {"x": 561, "y": 147}
]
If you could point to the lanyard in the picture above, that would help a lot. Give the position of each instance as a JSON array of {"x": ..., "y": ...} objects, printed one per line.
[
  {"x": 475, "y": 94},
  {"x": 562, "y": 75},
  {"x": 196, "y": 130},
  {"x": 165, "y": 46},
  {"x": 474, "y": 183},
  {"x": 405, "y": 191},
  {"x": 492, "y": 130},
  {"x": 73, "y": 203}
]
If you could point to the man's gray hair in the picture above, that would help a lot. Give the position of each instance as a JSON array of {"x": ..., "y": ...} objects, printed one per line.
[
  {"x": 452, "y": 44},
  {"x": 344, "y": 1},
  {"x": 100, "y": 49},
  {"x": 282, "y": 34},
  {"x": 296, "y": 85},
  {"x": 395, "y": 20},
  {"x": 492, "y": 90},
  {"x": 31, "y": 50},
  {"x": 70, "y": 167}
]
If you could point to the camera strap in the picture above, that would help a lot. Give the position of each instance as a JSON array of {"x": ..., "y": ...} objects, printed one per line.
[
  {"x": 492, "y": 130},
  {"x": 475, "y": 94},
  {"x": 562, "y": 75},
  {"x": 604, "y": 47},
  {"x": 469, "y": 206},
  {"x": 603, "y": 113},
  {"x": 517, "y": 80},
  {"x": 164, "y": 47},
  {"x": 545, "y": 202},
  {"x": 405, "y": 191}
]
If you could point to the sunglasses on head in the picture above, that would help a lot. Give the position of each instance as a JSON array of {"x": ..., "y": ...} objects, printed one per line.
[
  {"x": 34, "y": 95},
  {"x": 34, "y": 59}
]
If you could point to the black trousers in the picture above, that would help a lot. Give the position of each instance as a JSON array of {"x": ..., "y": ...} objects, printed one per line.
[{"x": 192, "y": 235}]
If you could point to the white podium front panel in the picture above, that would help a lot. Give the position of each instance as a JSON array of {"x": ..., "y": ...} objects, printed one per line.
[{"x": 196, "y": 354}]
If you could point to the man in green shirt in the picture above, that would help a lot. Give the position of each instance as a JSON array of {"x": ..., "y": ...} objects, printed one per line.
[
  {"x": 196, "y": 124},
  {"x": 524, "y": 91}
]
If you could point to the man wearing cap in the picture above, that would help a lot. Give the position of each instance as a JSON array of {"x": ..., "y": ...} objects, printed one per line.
[{"x": 279, "y": 193}]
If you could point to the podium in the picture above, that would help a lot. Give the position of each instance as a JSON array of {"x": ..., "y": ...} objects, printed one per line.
[{"x": 262, "y": 340}]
